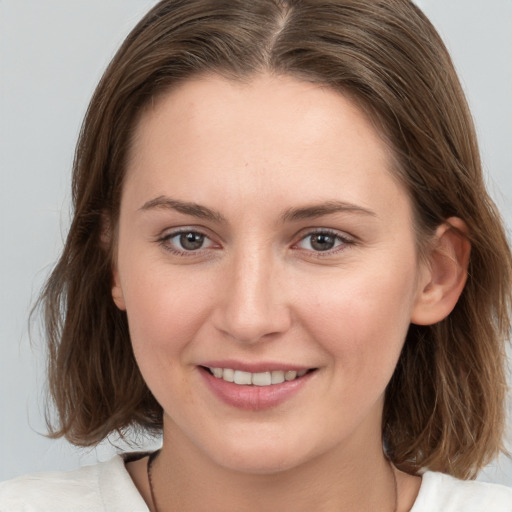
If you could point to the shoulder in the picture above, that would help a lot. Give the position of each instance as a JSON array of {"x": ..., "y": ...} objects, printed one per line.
[
  {"x": 443, "y": 492},
  {"x": 106, "y": 486}
]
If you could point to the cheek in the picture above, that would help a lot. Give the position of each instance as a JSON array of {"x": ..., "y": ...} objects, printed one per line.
[
  {"x": 362, "y": 318},
  {"x": 164, "y": 308},
  {"x": 162, "y": 321}
]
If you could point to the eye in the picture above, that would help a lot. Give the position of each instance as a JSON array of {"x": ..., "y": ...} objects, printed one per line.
[
  {"x": 189, "y": 241},
  {"x": 185, "y": 241},
  {"x": 323, "y": 241}
]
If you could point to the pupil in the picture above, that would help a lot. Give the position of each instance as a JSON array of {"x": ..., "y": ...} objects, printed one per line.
[
  {"x": 191, "y": 241},
  {"x": 322, "y": 242}
]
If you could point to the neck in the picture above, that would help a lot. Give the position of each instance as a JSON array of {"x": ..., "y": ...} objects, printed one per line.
[{"x": 341, "y": 479}]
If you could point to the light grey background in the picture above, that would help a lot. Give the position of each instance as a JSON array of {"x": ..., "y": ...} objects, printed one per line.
[{"x": 52, "y": 53}]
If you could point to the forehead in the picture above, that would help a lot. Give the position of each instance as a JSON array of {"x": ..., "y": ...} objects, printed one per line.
[
  {"x": 272, "y": 136},
  {"x": 208, "y": 101}
]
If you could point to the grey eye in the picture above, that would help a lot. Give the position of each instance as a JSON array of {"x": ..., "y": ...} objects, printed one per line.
[
  {"x": 191, "y": 241},
  {"x": 185, "y": 242},
  {"x": 322, "y": 242}
]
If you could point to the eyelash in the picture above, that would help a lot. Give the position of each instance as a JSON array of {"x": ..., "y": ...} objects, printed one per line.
[
  {"x": 165, "y": 242},
  {"x": 342, "y": 240}
]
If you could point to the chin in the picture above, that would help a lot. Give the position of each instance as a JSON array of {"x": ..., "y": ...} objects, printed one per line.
[
  {"x": 260, "y": 462},
  {"x": 262, "y": 456}
]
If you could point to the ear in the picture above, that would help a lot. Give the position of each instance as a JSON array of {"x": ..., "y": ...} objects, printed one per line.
[
  {"x": 117, "y": 291},
  {"x": 444, "y": 274},
  {"x": 107, "y": 239}
]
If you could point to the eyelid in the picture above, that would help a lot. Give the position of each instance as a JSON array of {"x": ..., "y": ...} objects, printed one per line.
[
  {"x": 163, "y": 240},
  {"x": 166, "y": 235},
  {"x": 346, "y": 239}
]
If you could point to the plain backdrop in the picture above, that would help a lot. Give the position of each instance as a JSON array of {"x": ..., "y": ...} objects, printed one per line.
[{"x": 52, "y": 53}]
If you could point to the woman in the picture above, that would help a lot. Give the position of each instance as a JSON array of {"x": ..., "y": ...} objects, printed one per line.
[{"x": 282, "y": 258}]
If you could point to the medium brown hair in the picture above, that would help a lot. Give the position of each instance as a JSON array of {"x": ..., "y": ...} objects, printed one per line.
[{"x": 444, "y": 407}]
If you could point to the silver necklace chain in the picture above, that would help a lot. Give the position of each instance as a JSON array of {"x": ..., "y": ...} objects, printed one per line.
[{"x": 154, "y": 455}]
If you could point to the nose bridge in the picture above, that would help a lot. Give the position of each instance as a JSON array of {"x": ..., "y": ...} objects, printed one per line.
[{"x": 254, "y": 305}]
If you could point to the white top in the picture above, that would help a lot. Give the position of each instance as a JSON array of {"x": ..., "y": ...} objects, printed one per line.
[{"x": 107, "y": 487}]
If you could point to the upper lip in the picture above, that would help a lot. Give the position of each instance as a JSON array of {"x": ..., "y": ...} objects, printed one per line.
[{"x": 255, "y": 367}]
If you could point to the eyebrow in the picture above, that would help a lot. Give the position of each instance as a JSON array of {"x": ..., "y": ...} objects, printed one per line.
[
  {"x": 324, "y": 208},
  {"x": 185, "y": 207},
  {"x": 289, "y": 215}
]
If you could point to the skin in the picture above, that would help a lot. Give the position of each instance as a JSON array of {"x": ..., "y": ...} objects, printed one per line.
[{"x": 258, "y": 290}]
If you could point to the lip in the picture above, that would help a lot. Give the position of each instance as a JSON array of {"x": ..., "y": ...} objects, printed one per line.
[
  {"x": 253, "y": 398},
  {"x": 253, "y": 367}
]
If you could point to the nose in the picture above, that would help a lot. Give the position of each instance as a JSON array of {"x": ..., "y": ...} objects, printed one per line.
[{"x": 253, "y": 306}]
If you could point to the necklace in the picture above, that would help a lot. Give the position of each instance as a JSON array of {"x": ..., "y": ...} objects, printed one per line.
[
  {"x": 154, "y": 455},
  {"x": 151, "y": 459},
  {"x": 395, "y": 484}
]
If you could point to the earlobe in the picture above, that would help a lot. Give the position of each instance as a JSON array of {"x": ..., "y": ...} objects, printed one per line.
[
  {"x": 445, "y": 273},
  {"x": 117, "y": 292},
  {"x": 107, "y": 241}
]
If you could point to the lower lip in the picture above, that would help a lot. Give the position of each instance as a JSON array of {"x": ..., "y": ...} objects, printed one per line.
[{"x": 254, "y": 398}]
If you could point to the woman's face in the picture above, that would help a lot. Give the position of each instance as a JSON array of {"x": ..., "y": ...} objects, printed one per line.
[{"x": 263, "y": 238}]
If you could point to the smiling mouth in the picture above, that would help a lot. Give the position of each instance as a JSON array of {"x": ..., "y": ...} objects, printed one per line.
[{"x": 257, "y": 379}]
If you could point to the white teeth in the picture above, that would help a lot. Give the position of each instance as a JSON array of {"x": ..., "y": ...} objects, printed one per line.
[
  {"x": 277, "y": 377},
  {"x": 262, "y": 379},
  {"x": 290, "y": 375},
  {"x": 256, "y": 379},
  {"x": 217, "y": 372},
  {"x": 242, "y": 377},
  {"x": 228, "y": 374}
]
